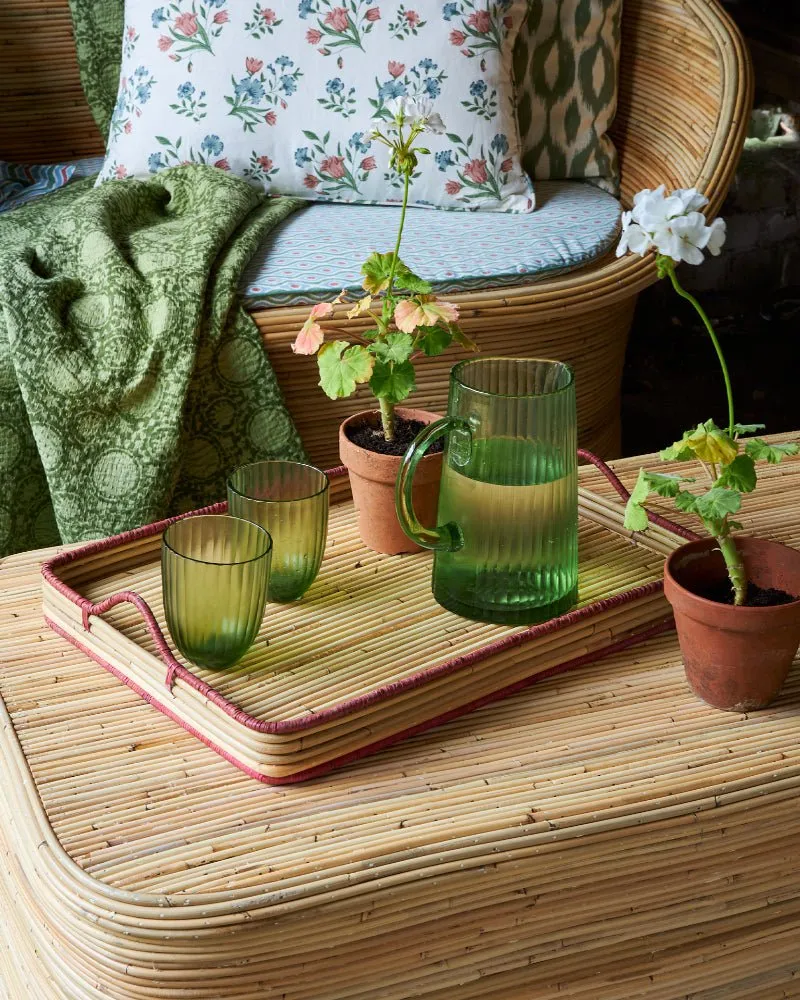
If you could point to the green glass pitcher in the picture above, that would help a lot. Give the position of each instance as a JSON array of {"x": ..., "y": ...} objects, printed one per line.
[{"x": 506, "y": 545}]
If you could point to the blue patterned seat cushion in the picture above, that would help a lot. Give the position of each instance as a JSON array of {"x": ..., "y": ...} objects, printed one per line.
[{"x": 319, "y": 250}]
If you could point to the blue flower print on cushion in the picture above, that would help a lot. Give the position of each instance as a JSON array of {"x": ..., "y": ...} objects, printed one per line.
[{"x": 265, "y": 88}]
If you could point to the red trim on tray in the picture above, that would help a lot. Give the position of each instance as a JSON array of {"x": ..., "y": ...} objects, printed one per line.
[
  {"x": 176, "y": 671},
  {"x": 348, "y": 758}
]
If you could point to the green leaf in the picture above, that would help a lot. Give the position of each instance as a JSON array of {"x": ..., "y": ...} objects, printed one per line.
[
  {"x": 740, "y": 429},
  {"x": 341, "y": 368},
  {"x": 677, "y": 452},
  {"x": 686, "y": 501},
  {"x": 376, "y": 269},
  {"x": 405, "y": 279},
  {"x": 739, "y": 475},
  {"x": 647, "y": 483},
  {"x": 718, "y": 503},
  {"x": 635, "y": 516},
  {"x": 393, "y": 382},
  {"x": 760, "y": 451},
  {"x": 395, "y": 347},
  {"x": 433, "y": 340}
]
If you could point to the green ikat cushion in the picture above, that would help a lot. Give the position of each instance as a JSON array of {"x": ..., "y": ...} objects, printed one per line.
[
  {"x": 284, "y": 96},
  {"x": 566, "y": 61}
]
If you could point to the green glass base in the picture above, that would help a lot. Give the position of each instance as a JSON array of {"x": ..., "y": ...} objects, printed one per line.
[{"x": 510, "y": 614}]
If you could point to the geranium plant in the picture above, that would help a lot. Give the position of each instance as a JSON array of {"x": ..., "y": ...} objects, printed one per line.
[
  {"x": 674, "y": 228},
  {"x": 407, "y": 319}
]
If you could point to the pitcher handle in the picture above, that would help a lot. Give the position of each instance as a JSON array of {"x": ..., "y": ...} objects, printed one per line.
[{"x": 445, "y": 537}]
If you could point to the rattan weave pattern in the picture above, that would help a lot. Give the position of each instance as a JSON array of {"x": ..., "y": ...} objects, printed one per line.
[{"x": 603, "y": 836}]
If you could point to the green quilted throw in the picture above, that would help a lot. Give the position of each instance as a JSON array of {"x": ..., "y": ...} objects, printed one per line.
[
  {"x": 98, "y": 26},
  {"x": 566, "y": 62},
  {"x": 131, "y": 379}
]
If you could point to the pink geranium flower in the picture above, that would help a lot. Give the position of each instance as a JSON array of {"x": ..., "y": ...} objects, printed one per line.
[
  {"x": 264, "y": 162},
  {"x": 222, "y": 164},
  {"x": 221, "y": 17},
  {"x": 412, "y": 18},
  {"x": 457, "y": 38},
  {"x": 373, "y": 14},
  {"x": 480, "y": 21},
  {"x": 270, "y": 118},
  {"x": 311, "y": 333},
  {"x": 164, "y": 43},
  {"x": 396, "y": 69},
  {"x": 310, "y": 181},
  {"x": 333, "y": 166},
  {"x": 313, "y": 36},
  {"x": 476, "y": 171},
  {"x": 368, "y": 163},
  {"x": 424, "y": 310},
  {"x": 452, "y": 187},
  {"x": 120, "y": 171},
  {"x": 337, "y": 19},
  {"x": 268, "y": 16},
  {"x": 186, "y": 24},
  {"x": 253, "y": 65}
]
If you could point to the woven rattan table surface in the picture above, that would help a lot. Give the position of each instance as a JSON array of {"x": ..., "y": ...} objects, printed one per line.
[{"x": 594, "y": 759}]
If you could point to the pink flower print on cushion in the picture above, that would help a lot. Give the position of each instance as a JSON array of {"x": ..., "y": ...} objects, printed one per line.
[
  {"x": 476, "y": 171},
  {"x": 270, "y": 118},
  {"x": 120, "y": 171},
  {"x": 373, "y": 14},
  {"x": 221, "y": 17},
  {"x": 164, "y": 43},
  {"x": 480, "y": 21},
  {"x": 337, "y": 19},
  {"x": 508, "y": 21},
  {"x": 396, "y": 69},
  {"x": 507, "y": 166},
  {"x": 253, "y": 65},
  {"x": 412, "y": 18},
  {"x": 131, "y": 33},
  {"x": 333, "y": 166},
  {"x": 223, "y": 164},
  {"x": 265, "y": 163},
  {"x": 186, "y": 24},
  {"x": 313, "y": 36},
  {"x": 368, "y": 163},
  {"x": 268, "y": 16},
  {"x": 128, "y": 128},
  {"x": 310, "y": 181},
  {"x": 452, "y": 187},
  {"x": 457, "y": 38}
]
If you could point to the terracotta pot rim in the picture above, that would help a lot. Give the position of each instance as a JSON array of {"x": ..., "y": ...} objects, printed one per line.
[{"x": 707, "y": 545}]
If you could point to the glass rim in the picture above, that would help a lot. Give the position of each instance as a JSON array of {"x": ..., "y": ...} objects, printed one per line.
[
  {"x": 326, "y": 483},
  {"x": 211, "y": 562},
  {"x": 455, "y": 374}
]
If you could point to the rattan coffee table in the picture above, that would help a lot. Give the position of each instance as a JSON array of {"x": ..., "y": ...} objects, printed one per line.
[{"x": 602, "y": 835}]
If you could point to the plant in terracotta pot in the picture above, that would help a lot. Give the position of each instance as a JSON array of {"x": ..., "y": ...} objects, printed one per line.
[
  {"x": 406, "y": 321},
  {"x": 736, "y": 599}
]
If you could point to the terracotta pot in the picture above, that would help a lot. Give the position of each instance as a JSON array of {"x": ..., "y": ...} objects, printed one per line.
[
  {"x": 373, "y": 478},
  {"x": 736, "y": 659}
]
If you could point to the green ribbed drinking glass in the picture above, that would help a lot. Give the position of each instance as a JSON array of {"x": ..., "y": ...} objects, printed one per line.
[
  {"x": 290, "y": 500},
  {"x": 506, "y": 548},
  {"x": 214, "y": 573}
]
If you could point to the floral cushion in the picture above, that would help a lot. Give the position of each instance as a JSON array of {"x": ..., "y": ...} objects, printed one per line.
[
  {"x": 318, "y": 251},
  {"x": 566, "y": 61},
  {"x": 284, "y": 96}
]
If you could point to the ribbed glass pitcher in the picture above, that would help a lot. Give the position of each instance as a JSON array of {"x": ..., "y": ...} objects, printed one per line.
[{"x": 506, "y": 545}]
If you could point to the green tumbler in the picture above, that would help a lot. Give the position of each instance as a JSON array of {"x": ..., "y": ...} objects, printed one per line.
[
  {"x": 506, "y": 545},
  {"x": 289, "y": 500},
  {"x": 214, "y": 571}
]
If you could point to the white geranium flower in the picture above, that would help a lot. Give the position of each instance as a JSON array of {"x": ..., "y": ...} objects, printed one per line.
[
  {"x": 416, "y": 112},
  {"x": 672, "y": 225}
]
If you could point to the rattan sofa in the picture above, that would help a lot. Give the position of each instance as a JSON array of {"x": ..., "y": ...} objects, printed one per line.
[{"x": 685, "y": 95}]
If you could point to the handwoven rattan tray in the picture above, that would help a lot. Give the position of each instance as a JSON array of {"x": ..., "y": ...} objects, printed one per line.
[{"x": 367, "y": 657}]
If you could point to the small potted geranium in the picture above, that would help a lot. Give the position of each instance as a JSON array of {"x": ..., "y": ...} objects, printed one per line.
[
  {"x": 736, "y": 599},
  {"x": 405, "y": 321}
]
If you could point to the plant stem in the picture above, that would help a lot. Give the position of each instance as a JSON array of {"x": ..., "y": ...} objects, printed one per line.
[
  {"x": 736, "y": 571},
  {"x": 669, "y": 266},
  {"x": 387, "y": 417}
]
